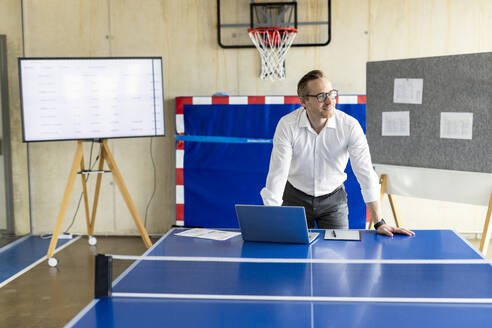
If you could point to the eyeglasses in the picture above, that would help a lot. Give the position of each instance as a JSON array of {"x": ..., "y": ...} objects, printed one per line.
[{"x": 322, "y": 96}]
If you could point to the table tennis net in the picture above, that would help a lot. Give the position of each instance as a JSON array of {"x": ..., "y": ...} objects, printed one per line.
[{"x": 282, "y": 279}]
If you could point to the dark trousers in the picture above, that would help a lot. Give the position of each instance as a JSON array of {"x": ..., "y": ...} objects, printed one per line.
[{"x": 328, "y": 211}]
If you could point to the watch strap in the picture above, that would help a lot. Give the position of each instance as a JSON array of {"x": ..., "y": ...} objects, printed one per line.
[{"x": 380, "y": 223}]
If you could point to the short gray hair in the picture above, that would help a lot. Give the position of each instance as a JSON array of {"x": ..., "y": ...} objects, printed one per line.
[{"x": 312, "y": 75}]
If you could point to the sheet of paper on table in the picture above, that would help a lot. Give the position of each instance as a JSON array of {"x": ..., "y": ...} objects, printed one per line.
[{"x": 208, "y": 234}]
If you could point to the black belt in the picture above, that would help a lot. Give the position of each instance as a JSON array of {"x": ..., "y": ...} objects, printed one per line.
[
  {"x": 316, "y": 197},
  {"x": 331, "y": 193}
]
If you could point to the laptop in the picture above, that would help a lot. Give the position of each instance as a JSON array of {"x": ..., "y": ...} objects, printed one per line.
[{"x": 276, "y": 224}]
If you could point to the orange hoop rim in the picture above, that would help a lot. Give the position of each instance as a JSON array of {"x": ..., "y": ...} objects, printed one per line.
[{"x": 271, "y": 29}]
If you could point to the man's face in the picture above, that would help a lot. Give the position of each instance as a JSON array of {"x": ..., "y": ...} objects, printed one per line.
[{"x": 315, "y": 108}]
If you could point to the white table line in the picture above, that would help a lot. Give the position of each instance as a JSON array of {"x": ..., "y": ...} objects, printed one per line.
[
  {"x": 308, "y": 298},
  {"x": 294, "y": 260}
]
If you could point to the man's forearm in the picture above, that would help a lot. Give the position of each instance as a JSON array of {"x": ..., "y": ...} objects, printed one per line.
[{"x": 375, "y": 211}]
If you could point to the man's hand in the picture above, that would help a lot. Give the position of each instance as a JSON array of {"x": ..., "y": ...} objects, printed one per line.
[
  {"x": 388, "y": 230},
  {"x": 385, "y": 229}
]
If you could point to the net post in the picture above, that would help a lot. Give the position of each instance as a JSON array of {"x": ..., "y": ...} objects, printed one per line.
[{"x": 103, "y": 277}]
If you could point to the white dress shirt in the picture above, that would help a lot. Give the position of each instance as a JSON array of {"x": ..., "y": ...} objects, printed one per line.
[{"x": 315, "y": 163}]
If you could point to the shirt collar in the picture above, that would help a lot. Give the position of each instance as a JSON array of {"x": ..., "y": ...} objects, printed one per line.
[{"x": 304, "y": 121}]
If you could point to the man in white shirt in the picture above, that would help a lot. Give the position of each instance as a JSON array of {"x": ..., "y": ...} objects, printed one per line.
[{"x": 311, "y": 148}]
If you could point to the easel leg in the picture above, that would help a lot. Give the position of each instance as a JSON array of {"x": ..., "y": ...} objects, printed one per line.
[
  {"x": 84, "y": 192},
  {"x": 126, "y": 195},
  {"x": 96, "y": 195},
  {"x": 484, "y": 243},
  {"x": 66, "y": 198},
  {"x": 394, "y": 209},
  {"x": 382, "y": 182}
]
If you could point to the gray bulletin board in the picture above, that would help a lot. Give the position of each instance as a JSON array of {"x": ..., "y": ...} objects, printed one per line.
[{"x": 458, "y": 83}]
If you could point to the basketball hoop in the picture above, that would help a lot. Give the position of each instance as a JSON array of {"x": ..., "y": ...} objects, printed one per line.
[{"x": 273, "y": 44}]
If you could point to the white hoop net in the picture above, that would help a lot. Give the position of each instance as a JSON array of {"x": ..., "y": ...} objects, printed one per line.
[{"x": 273, "y": 45}]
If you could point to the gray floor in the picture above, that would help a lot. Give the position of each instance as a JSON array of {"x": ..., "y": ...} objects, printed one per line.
[{"x": 51, "y": 297}]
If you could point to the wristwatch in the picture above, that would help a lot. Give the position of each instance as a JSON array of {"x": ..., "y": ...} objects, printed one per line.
[{"x": 380, "y": 223}]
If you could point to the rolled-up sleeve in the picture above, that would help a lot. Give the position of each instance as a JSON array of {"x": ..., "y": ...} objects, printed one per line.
[
  {"x": 279, "y": 166},
  {"x": 360, "y": 159}
]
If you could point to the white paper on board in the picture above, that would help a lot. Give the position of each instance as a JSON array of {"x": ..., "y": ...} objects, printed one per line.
[
  {"x": 408, "y": 91},
  {"x": 396, "y": 124},
  {"x": 456, "y": 125}
]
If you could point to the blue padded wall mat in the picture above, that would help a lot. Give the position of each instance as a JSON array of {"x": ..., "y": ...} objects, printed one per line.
[{"x": 218, "y": 175}]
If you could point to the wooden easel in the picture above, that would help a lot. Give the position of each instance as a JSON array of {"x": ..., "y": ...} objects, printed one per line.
[
  {"x": 396, "y": 214},
  {"x": 78, "y": 162}
]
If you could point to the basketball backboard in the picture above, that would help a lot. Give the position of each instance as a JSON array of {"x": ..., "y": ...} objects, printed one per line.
[{"x": 312, "y": 18}]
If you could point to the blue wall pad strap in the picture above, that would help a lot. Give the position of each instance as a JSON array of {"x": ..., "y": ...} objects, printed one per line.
[{"x": 222, "y": 139}]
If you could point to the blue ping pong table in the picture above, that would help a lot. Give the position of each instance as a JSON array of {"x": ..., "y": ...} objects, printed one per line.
[{"x": 207, "y": 283}]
